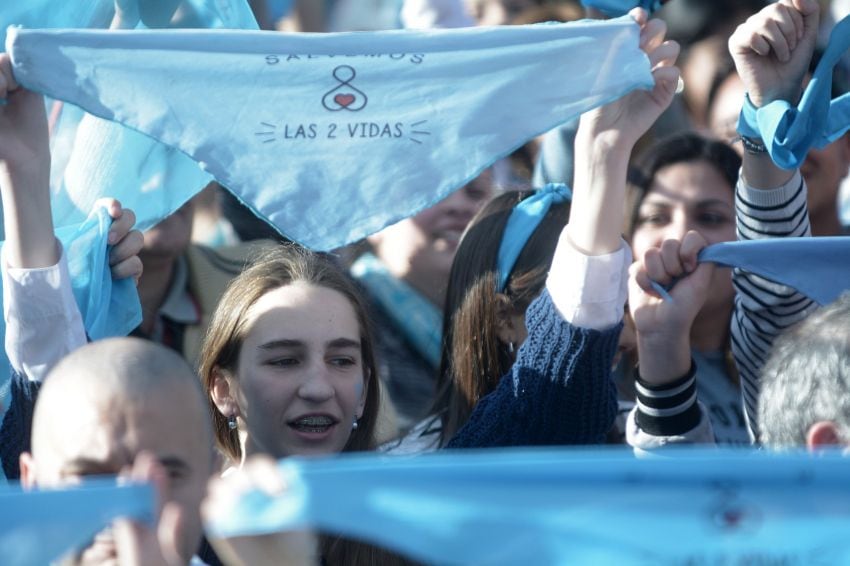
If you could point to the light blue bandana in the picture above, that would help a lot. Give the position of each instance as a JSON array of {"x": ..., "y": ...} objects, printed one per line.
[
  {"x": 38, "y": 527},
  {"x": 788, "y": 132},
  {"x": 523, "y": 221},
  {"x": 615, "y": 8},
  {"x": 92, "y": 158},
  {"x": 818, "y": 268},
  {"x": 332, "y": 137},
  {"x": 569, "y": 507}
]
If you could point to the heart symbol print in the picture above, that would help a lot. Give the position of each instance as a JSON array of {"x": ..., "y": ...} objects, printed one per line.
[{"x": 344, "y": 100}]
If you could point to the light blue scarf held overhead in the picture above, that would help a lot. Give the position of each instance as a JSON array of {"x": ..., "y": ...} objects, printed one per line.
[
  {"x": 38, "y": 527},
  {"x": 92, "y": 158},
  {"x": 569, "y": 507},
  {"x": 790, "y": 132},
  {"x": 332, "y": 137}
]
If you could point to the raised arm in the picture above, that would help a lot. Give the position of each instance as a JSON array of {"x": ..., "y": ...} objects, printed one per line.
[
  {"x": 559, "y": 390},
  {"x": 772, "y": 51},
  {"x": 667, "y": 410},
  {"x": 43, "y": 322}
]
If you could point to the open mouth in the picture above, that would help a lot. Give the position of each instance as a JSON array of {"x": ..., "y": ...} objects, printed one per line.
[{"x": 315, "y": 424}]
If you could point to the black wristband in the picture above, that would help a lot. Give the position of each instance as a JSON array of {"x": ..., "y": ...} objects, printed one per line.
[{"x": 670, "y": 409}]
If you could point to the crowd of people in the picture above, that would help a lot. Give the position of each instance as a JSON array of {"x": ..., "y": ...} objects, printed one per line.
[{"x": 590, "y": 321}]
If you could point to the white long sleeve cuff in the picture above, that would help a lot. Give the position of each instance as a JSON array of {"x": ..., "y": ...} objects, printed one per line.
[
  {"x": 43, "y": 322},
  {"x": 589, "y": 291}
]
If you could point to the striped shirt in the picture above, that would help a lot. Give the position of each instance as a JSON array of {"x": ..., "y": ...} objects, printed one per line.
[{"x": 764, "y": 309}]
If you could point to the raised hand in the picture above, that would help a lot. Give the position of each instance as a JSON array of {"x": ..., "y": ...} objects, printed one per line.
[
  {"x": 664, "y": 326},
  {"x": 24, "y": 141},
  {"x": 773, "y": 48},
  {"x": 126, "y": 243},
  {"x": 625, "y": 120},
  {"x": 140, "y": 545},
  {"x": 260, "y": 472}
]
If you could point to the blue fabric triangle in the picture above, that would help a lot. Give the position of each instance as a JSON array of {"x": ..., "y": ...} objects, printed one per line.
[
  {"x": 816, "y": 267},
  {"x": 332, "y": 137},
  {"x": 38, "y": 527}
]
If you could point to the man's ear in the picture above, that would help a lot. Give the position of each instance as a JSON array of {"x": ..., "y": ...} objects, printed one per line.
[
  {"x": 823, "y": 434},
  {"x": 222, "y": 392},
  {"x": 27, "y": 465}
]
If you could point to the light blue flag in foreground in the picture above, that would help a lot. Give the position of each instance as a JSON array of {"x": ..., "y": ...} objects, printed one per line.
[
  {"x": 569, "y": 507},
  {"x": 331, "y": 137},
  {"x": 38, "y": 527},
  {"x": 818, "y": 268},
  {"x": 790, "y": 132}
]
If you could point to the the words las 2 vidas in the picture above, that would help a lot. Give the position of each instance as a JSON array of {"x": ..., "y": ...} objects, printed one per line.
[{"x": 343, "y": 98}]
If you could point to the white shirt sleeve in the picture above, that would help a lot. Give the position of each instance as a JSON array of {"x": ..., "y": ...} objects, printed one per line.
[
  {"x": 589, "y": 291},
  {"x": 43, "y": 322}
]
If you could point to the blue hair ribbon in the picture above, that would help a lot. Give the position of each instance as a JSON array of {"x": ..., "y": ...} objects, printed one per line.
[
  {"x": 617, "y": 8},
  {"x": 38, "y": 527},
  {"x": 523, "y": 221},
  {"x": 790, "y": 132},
  {"x": 566, "y": 506},
  {"x": 818, "y": 268}
]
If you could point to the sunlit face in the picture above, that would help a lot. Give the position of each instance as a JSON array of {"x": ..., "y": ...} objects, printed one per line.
[
  {"x": 688, "y": 196},
  {"x": 420, "y": 249},
  {"x": 300, "y": 381},
  {"x": 104, "y": 437}
]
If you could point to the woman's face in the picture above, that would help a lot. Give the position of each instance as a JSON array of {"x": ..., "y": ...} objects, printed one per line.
[
  {"x": 300, "y": 378},
  {"x": 688, "y": 196}
]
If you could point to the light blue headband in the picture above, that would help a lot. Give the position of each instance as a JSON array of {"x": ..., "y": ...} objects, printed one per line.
[
  {"x": 616, "y": 8},
  {"x": 789, "y": 133},
  {"x": 523, "y": 221}
]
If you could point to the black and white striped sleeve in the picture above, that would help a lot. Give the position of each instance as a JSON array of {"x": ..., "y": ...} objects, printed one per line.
[
  {"x": 667, "y": 414},
  {"x": 764, "y": 309}
]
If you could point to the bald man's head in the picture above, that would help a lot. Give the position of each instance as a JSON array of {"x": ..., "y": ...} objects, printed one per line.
[{"x": 108, "y": 401}]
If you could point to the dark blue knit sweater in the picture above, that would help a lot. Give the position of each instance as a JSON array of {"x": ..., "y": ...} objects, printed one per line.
[
  {"x": 17, "y": 424},
  {"x": 559, "y": 390}
]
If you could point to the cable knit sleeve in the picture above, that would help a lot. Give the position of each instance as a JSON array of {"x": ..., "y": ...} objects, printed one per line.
[{"x": 559, "y": 390}]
